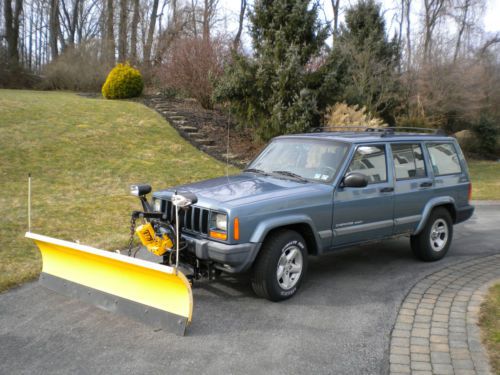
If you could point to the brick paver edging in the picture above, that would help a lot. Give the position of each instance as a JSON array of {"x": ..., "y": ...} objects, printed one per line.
[{"x": 436, "y": 330}]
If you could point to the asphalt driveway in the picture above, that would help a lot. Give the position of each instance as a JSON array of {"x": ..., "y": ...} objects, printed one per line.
[{"x": 339, "y": 323}]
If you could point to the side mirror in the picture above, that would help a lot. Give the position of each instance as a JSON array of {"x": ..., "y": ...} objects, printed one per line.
[{"x": 355, "y": 180}]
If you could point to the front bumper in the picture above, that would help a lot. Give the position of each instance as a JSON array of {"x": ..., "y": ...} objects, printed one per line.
[{"x": 229, "y": 258}]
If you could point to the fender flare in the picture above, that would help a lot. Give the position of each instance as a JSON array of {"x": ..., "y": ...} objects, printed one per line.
[
  {"x": 265, "y": 226},
  {"x": 438, "y": 201}
]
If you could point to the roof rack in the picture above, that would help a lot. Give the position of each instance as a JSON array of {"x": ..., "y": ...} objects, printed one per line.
[{"x": 386, "y": 131}]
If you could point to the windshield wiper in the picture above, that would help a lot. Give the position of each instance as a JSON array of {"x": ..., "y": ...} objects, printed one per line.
[
  {"x": 291, "y": 174},
  {"x": 255, "y": 170}
]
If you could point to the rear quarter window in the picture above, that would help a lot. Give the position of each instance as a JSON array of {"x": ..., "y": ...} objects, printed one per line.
[{"x": 444, "y": 159}]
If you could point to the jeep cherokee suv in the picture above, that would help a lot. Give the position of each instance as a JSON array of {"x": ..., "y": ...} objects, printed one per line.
[{"x": 311, "y": 194}]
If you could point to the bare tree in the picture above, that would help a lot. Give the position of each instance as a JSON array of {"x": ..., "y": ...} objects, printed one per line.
[
  {"x": 70, "y": 19},
  {"x": 133, "y": 36},
  {"x": 407, "y": 14},
  {"x": 336, "y": 14},
  {"x": 110, "y": 35},
  {"x": 12, "y": 17},
  {"x": 122, "y": 32},
  {"x": 237, "y": 38},
  {"x": 209, "y": 14},
  {"x": 151, "y": 30},
  {"x": 433, "y": 11},
  {"x": 54, "y": 27}
]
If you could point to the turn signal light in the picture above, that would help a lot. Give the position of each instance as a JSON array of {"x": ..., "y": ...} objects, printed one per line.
[
  {"x": 236, "y": 229},
  {"x": 218, "y": 235}
]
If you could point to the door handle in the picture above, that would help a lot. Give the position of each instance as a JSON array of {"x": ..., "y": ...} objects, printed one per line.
[
  {"x": 386, "y": 190},
  {"x": 426, "y": 184}
]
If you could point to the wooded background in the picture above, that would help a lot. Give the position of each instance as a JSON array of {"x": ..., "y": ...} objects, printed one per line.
[{"x": 431, "y": 64}]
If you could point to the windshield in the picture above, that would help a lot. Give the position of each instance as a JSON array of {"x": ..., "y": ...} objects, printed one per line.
[{"x": 312, "y": 159}]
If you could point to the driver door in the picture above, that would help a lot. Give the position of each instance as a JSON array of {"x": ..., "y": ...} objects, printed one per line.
[{"x": 367, "y": 213}]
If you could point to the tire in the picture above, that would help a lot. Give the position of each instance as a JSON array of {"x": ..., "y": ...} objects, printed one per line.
[
  {"x": 283, "y": 253},
  {"x": 433, "y": 242}
]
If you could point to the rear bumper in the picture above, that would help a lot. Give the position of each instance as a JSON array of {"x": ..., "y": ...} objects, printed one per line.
[
  {"x": 230, "y": 258},
  {"x": 464, "y": 213}
]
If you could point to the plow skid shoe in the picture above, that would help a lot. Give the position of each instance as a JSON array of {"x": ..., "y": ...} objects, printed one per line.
[{"x": 155, "y": 294}]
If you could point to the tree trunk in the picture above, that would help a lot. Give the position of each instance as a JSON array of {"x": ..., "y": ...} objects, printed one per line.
[
  {"x": 336, "y": 13},
  {"x": 133, "y": 37},
  {"x": 110, "y": 35},
  {"x": 408, "y": 33},
  {"x": 151, "y": 31},
  {"x": 122, "y": 32},
  {"x": 206, "y": 20},
  {"x": 463, "y": 24},
  {"x": 54, "y": 28},
  {"x": 237, "y": 38},
  {"x": 11, "y": 17}
]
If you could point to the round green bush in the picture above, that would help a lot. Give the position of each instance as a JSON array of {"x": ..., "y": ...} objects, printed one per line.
[{"x": 123, "y": 82}]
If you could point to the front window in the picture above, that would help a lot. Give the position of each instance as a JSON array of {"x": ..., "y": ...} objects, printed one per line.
[
  {"x": 370, "y": 161},
  {"x": 311, "y": 159}
]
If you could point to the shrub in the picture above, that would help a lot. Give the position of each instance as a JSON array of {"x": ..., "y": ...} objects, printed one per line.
[
  {"x": 487, "y": 133},
  {"x": 123, "y": 82},
  {"x": 78, "y": 68},
  {"x": 343, "y": 115},
  {"x": 192, "y": 66}
]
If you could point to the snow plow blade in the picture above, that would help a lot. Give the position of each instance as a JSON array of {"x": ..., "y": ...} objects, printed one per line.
[{"x": 155, "y": 294}]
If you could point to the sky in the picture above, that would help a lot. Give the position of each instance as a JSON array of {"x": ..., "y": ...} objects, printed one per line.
[{"x": 491, "y": 18}]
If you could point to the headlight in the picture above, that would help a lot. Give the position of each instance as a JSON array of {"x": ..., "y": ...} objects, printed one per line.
[
  {"x": 220, "y": 222},
  {"x": 157, "y": 205},
  {"x": 140, "y": 190}
]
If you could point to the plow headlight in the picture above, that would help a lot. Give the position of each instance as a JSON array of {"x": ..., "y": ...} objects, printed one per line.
[
  {"x": 157, "y": 205},
  {"x": 140, "y": 190},
  {"x": 220, "y": 222}
]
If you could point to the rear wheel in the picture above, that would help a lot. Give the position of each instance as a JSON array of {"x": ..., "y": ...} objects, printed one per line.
[
  {"x": 433, "y": 242},
  {"x": 280, "y": 266}
]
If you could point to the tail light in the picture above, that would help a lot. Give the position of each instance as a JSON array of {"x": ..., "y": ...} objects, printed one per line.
[{"x": 469, "y": 197}]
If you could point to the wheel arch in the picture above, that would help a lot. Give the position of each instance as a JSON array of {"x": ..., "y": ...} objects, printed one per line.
[
  {"x": 446, "y": 202},
  {"x": 302, "y": 225}
]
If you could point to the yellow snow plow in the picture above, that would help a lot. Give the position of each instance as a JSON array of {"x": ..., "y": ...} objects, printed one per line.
[{"x": 158, "y": 294}]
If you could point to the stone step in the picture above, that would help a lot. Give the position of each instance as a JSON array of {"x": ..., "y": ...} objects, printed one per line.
[
  {"x": 204, "y": 141},
  {"x": 188, "y": 129},
  {"x": 180, "y": 122},
  {"x": 208, "y": 147},
  {"x": 176, "y": 117},
  {"x": 169, "y": 113},
  {"x": 230, "y": 156}
]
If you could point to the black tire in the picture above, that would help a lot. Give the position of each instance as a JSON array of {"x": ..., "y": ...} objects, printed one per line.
[
  {"x": 430, "y": 245},
  {"x": 265, "y": 281}
]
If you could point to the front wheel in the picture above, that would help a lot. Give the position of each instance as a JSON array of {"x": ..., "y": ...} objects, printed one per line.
[
  {"x": 433, "y": 242},
  {"x": 280, "y": 266}
]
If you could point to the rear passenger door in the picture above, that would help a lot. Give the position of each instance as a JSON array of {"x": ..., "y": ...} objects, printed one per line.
[
  {"x": 361, "y": 214},
  {"x": 412, "y": 187}
]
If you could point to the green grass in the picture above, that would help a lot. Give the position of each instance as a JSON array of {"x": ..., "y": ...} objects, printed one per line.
[
  {"x": 83, "y": 154},
  {"x": 485, "y": 177},
  {"x": 490, "y": 325}
]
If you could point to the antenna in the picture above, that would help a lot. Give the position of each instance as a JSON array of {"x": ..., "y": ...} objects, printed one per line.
[
  {"x": 29, "y": 202},
  {"x": 227, "y": 146}
]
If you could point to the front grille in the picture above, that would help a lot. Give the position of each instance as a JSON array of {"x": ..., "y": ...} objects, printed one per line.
[{"x": 193, "y": 220}]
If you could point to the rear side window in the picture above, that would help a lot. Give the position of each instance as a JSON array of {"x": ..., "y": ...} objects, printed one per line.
[
  {"x": 408, "y": 161},
  {"x": 444, "y": 159},
  {"x": 371, "y": 161}
]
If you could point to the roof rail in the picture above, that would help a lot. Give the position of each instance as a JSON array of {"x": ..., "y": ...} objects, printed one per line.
[{"x": 386, "y": 131}]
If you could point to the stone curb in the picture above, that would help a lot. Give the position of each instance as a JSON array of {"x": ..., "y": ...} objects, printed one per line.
[{"x": 436, "y": 329}]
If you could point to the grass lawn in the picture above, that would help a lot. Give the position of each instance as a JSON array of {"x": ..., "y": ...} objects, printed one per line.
[
  {"x": 83, "y": 154},
  {"x": 485, "y": 177},
  {"x": 490, "y": 325}
]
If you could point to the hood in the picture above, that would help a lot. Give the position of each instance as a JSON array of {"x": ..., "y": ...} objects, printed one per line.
[{"x": 240, "y": 189}]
